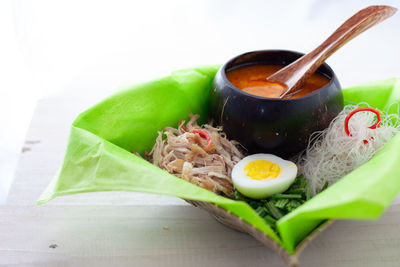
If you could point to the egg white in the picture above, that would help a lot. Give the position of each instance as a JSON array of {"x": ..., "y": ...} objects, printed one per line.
[{"x": 259, "y": 189}]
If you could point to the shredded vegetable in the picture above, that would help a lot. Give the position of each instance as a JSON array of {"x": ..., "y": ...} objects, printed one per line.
[
  {"x": 205, "y": 135},
  {"x": 207, "y": 163}
]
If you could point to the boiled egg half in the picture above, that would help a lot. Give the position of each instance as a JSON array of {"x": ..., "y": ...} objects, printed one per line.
[{"x": 262, "y": 175}]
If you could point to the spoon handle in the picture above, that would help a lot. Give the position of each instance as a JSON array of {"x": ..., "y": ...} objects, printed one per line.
[{"x": 295, "y": 74}]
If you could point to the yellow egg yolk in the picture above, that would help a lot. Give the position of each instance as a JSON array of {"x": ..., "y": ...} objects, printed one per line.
[{"x": 262, "y": 169}]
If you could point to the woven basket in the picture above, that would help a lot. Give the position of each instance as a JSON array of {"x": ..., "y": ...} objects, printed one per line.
[{"x": 231, "y": 220}]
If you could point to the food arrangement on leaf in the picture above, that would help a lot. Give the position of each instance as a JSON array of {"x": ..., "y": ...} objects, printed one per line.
[{"x": 265, "y": 143}]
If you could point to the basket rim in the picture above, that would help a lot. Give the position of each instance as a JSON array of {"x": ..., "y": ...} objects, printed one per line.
[{"x": 233, "y": 221}]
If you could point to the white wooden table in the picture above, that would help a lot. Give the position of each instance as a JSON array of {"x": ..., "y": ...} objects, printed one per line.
[{"x": 136, "y": 229}]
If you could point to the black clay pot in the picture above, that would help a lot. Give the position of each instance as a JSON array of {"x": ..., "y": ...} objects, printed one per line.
[{"x": 271, "y": 125}]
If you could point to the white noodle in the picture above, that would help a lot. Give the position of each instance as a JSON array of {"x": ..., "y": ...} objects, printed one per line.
[{"x": 331, "y": 154}]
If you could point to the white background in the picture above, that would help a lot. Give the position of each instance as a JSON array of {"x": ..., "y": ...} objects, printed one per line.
[{"x": 91, "y": 48}]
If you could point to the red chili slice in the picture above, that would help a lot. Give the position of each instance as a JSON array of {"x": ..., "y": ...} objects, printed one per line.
[
  {"x": 377, "y": 124},
  {"x": 205, "y": 135}
]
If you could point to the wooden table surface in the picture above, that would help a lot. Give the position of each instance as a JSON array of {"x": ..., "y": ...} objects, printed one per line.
[{"x": 136, "y": 229}]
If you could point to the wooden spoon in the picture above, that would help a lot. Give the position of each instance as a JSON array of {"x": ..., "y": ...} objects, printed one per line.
[{"x": 292, "y": 77}]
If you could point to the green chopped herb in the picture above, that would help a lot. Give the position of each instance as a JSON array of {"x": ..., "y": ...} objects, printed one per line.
[
  {"x": 260, "y": 210},
  {"x": 292, "y": 205},
  {"x": 303, "y": 184},
  {"x": 295, "y": 191},
  {"x": 270, "y": 220},
  {"x": 308, "y": 194},
  {"x": 275, "y": 212},
  {"x": 286, "y": 196},
  {"x": 325, "y": 186},
  {"x": 278, "y": 205},
  {"x": 281, "y": 203},
  {"x": 238, "y": 196},
  {"x": 296, "y": 182}
]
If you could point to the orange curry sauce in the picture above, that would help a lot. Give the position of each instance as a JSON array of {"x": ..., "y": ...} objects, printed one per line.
[{"x": 252, "y": 79}]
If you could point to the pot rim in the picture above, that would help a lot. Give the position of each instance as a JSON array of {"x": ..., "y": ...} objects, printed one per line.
[{"x": 326, "y": 86}]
